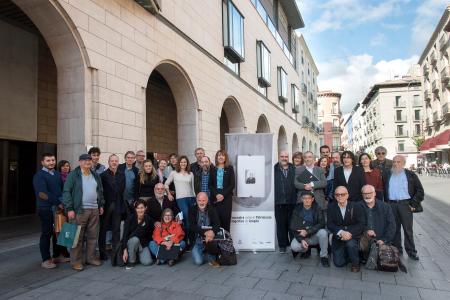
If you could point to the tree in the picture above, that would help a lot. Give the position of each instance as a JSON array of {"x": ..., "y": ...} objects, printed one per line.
[{"x": 418, "y": 141}]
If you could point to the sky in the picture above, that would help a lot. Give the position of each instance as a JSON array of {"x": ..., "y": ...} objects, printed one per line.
[{"x": 357, "y": 43}]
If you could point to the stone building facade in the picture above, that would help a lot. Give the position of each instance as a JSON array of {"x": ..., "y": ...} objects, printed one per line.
[
  {"x": 330, "y": 119},
  {"x": 163, "y": 76}
]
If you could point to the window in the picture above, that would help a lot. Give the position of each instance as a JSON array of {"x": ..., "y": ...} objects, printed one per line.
[
  {"x": 417, "y": 115},
  {"x": 321, "y": 142},
  {"x": 398, "y": 101},
  {"x": 335, "y": 123},
  {"x": 417, "y": 130},
  {"x": 295, "y": 99},
  {"x": 417, "y": 101},
  {"x": 232, "y": 66},
  {"x": 400, "y": 130},
  {"x": 336, "y": 143},
  {"x": 398, "y": 115},
  {"x": 282, "y": 85},
  {"x": 263, "y": 64},
  {"x": 262, "y": 90},
  {"x": 401, "y": 146},
  {"x": 334, "y": 108},
  {"x": 233, "y": 32}
]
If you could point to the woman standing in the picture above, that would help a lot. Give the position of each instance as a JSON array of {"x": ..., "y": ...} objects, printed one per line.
[
  {"x": 183, "y": 179},
  {"x": 297, "y": 159},
  {"x": 64, "y": 169},
  {"x": 144, "y": 183},
  {"x": 136, "y": 236},
  {"x": 350, "y": 176},
  {"x": 223, "y": 186},
  {"x": 162, "y": 166},
  {"x": 372, "y": 176},
  {"x": 323, "y": 163}
]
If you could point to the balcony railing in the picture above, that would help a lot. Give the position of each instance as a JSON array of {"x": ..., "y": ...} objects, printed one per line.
[
  {"x": 445, "y": 110},
  {"x": 426, "y": 70},
  {"x": 433, "y": 58},
  {"x": 427, "y": 95},
  {"x": 305, "y": 120},
  {"x": 401, "y": 133},
  {"x": 401, "y": 118},
  {"x": 304, "y": 89},
  {"x": 427, "y": 122},
  {"x": 435, "y": 86},
  {"x": 436, "y": 117},
  {"x": 408, "y": 149},
  {"x": 310, "y": 98},
  {"x": 400, "y": 104},
  {"x": 443, "y": 43},
  {"x": 335, "y": 129}
]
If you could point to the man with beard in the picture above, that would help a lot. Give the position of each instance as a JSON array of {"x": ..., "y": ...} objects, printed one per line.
[
  {"x": 203, "y": 177},
  {"x": 160, "y": 202}
]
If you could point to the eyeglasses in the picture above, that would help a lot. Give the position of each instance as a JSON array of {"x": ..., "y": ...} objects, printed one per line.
[
  {"x": 340, "y": 195},
  {"x": 380, "y": 153}
]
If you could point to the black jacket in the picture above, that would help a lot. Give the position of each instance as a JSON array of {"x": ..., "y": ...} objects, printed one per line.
[
  {"x": 415, "y": 189},
  {"x": 196, "y": 230},
  {"x": 354, "y": 221},
  {"x": 229, "y": 183},
  {"x": 355, "y": 182},
  {"x": 143, "y": 231},
  {"x": 384, "y": 221},
  {"x": 285, "y": 192},
  {"x": 113, "y": 188},
  {"x": 198, "y": 181},
  {"x": 146, "y": 189},
  {"x": 297, "y": 221},
  {"x": 155, "y": 210}
]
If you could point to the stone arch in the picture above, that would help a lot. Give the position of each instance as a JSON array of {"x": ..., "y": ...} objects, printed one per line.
[
  {"x": 73, "y": 90},
  {"x": 171, "y": 101},
  {"x": 231, "y": 119},
  {"x": 282, "y": 140},
  {"x": 310, "y": 148},
  {"x": 304, "y": 145},
  {"x": 263, "y": 125},
  {"x": 295, "y": 145}
]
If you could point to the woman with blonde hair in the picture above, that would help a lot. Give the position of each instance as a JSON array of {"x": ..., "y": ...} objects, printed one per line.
[{"x": 144, "y": 183}]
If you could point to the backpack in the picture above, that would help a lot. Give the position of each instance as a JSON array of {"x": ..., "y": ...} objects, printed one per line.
[
  {"x": 227, "y": 253},
  {"x": 372, "y": 260},
  {"x": 388, "y": 258}
]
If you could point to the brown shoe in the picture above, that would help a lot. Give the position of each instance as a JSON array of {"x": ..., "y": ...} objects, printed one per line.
[
  {"x": 77, "y": 267},
  {"x": 355, "y": 269},
  {"x": 61, "y": 259},
  {"x": 48, "y": 264},
  {"x": 214, "y": 264},
  {"x": 95, "y": 262}
]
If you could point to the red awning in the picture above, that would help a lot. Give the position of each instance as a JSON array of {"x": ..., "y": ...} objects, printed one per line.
[
  {"x": 426, "y": 145},
  {"x": 443, "y": 138}
]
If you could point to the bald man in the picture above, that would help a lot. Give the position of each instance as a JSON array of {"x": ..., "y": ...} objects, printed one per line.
[
  {"x": 404, "y": 192},
  {"x": 285, "y": 198}
]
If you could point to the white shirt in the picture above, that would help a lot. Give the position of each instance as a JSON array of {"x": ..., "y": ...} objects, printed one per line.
[
  {"x": 347, "y": 173},
  {"x": 184, "y": 184}
]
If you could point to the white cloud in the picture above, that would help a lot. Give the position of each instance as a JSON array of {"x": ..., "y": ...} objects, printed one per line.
[
  {"x": 337, "y": 14},
  {"x": 354, "y": 76},
  {"x": 378, "y": 40},
  {"x": 428, "y": 14}
]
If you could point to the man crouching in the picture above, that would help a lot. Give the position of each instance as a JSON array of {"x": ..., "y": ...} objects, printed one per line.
[{"x": 308, "y": 227}]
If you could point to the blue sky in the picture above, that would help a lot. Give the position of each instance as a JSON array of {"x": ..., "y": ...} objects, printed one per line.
[{"x": 357, "y": 43}]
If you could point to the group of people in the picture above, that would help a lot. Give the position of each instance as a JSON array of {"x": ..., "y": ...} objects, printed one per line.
[
  {"x": 337, "y": 203},
  {"x": 343, "y": 204},
  {"x": 163, "y": 205}
]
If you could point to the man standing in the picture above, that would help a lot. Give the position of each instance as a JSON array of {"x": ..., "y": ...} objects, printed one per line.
[
  {"x": 113, "y": 183},
  {"x": 140, "y": 157},
  {"x": 335, "y": 162},
  {"x": 83, "y": 200},
  {"x": 346, "y": 221},
  {"x": 325, "y": 152},
  {"x": 203, "y": 178},
  {"x": 309, "y": 177},
  {"x": 380, "y": 222},
  {"x": 381, "y": 162},
  {"x": 285, "y": 198},
  {"x": 97, "y": 167},
  {"x": 48, "y": 190},
  {"x": 404, "y": 192},
  {"x": 196, "y": 166},
  {"x": 308, "y": 228},
  {"x": 130, "y": 172}
]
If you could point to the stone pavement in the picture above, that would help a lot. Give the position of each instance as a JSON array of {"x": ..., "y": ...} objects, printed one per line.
[{"x": 257, "y": 276}]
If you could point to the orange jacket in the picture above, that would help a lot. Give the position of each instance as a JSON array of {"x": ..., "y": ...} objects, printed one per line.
[{"x": 172, "y": 228}]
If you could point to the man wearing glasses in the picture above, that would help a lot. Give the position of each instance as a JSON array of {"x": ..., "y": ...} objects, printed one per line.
[
  {"x": 381, "y": 162},
  {"x": 380, "y": 221},
  {"x": 346, "y": 221}
]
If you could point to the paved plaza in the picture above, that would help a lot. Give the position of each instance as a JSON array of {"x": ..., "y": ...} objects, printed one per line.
[{"x": 257, "y": 276}]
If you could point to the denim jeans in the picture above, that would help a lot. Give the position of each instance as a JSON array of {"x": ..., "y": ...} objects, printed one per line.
[
  {"x": 197, "y": 254},
  {"x": 154, "y": 248},
  {"x": 134, "y": 247},
  {"x": 184, "y": 204},
  {"x": 345, "y": 252}
]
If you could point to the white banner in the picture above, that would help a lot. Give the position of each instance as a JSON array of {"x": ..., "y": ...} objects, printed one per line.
[{"x": 252, "y": 220}]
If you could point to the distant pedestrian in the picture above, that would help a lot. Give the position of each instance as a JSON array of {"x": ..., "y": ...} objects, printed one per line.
[{"x": 83, "y": 201}]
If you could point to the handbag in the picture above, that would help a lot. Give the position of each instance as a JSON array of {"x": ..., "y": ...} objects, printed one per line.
[
  {"x": 60, "y": 219},
  {"x": 69, "y": 235}
]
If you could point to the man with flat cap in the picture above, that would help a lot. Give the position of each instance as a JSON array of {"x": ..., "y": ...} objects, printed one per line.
[{"x": 83, "y": 201}]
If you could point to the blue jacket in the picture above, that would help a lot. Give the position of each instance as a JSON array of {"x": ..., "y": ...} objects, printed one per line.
[{"x": 50, "y": 185}]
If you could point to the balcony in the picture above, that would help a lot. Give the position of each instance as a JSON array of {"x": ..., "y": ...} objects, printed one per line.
[
  {"x": 400, "y": 104},
  {"x": 433, "y": 58},
  {"x": 304, "y": 89},
  {"x": 417, "y": 132},
  {"x": 435, "y": 87},
  {"x": 427, "y": 95},
  {"x": 427, "y": 122},
  {"x": 401, "y": 133},
  {"x": 400, "y": 119},
  {"x": 408, "y": 149},
  {"x": 436, "y": 118},
  {"x": 320, "y": 129},
  {"x": 443, "y": 43},
  {"x": 336, "y": 129},
  {"x": 445, "y": 110},
  {"x": 445, "y": 75},
  {"x": 310, "y": 98},
  {"x": 426, "y": 70},
  {"x": 305, "y": 121},
  {"x": 153, "y": 6}
]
